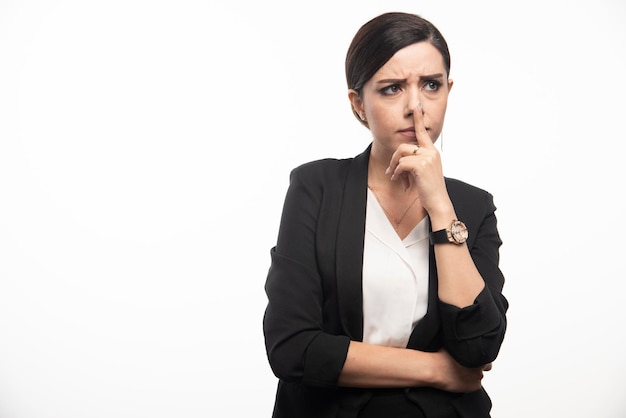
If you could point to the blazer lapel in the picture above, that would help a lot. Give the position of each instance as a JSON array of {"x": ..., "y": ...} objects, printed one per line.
[{"x": 350, "y": 239}]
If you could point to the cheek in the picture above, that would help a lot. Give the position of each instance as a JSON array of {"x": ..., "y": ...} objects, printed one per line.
[
  {"x": 377, "y": 116},
  {"x": 435, "y": 119},
  {"x": 385, "y": 114},
  {"x": 375, "y": 109},
  {"x": 439, "y": 111}
]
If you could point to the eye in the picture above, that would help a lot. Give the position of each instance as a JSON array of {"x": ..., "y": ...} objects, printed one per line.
[
  {"x": 390, "y": 90},
  {"x": 432, "y": 85}
]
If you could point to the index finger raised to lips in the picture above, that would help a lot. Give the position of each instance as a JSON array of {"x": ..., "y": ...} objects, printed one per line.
[{"x": 421, "y": 134}]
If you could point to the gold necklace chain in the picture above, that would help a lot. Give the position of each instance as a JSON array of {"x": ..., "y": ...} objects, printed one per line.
[{"x": 395, "y": 220}]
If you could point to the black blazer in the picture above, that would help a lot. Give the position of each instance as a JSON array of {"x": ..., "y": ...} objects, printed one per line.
[{"x": 315, "y": 295}]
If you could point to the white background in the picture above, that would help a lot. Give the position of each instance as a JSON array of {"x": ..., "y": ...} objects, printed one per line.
[{"x": 145, "y": 148}]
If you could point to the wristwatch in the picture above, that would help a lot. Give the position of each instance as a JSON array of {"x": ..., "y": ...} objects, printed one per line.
[{"x": 456, "y": 234}]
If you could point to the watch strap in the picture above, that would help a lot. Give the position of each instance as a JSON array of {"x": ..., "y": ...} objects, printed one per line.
[{"x": 439, "y": 237}]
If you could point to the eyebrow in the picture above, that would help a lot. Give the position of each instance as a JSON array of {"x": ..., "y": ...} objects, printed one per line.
[{"x": 402, "y": 80}]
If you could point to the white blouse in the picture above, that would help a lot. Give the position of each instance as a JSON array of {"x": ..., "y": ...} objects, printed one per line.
[{"x": 395, "y": 278}]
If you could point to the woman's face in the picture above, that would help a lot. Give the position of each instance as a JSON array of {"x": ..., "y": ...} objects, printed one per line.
[{"x": 415, "y": 74}]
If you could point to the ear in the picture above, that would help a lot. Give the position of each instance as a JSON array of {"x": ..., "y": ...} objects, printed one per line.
[
  {"x": 450, "y": 83},
  {"x": 356, "y": 101}
]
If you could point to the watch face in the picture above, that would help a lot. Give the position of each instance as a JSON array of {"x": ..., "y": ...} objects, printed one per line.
[{"x": 459, "y": 233}]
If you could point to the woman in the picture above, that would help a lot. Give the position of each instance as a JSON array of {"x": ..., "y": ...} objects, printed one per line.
[{"x": 384, "y": 289}]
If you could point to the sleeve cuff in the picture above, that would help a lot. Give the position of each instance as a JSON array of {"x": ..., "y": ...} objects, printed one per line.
[
  {"x": 473, "y": 334},
  {"x": 472, "y": 321},
  {"x": 321, "y": 368}
]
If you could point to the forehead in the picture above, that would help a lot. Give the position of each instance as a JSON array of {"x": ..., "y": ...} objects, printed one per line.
[{"x": 420, "y": 58}]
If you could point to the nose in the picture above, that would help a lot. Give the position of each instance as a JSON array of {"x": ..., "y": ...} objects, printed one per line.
[{"x": 413, "y": 103}]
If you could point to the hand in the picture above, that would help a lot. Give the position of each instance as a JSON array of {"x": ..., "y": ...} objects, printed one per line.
[
  {"x": 453, "y": 377},
  {"x": 421, "y": 165}
]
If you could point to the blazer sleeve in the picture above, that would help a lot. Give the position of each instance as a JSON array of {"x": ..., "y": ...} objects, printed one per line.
[
  {"x": 473, "y": 335},
  {"x": 299, "y": 350}
]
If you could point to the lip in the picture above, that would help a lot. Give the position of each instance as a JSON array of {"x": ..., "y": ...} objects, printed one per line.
[
  {"x": 410, "y": 131},
  {"x": 407, "y": 132}
]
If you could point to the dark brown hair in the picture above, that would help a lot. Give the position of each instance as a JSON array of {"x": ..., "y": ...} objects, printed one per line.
[{"x": 380, "y": 38}]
